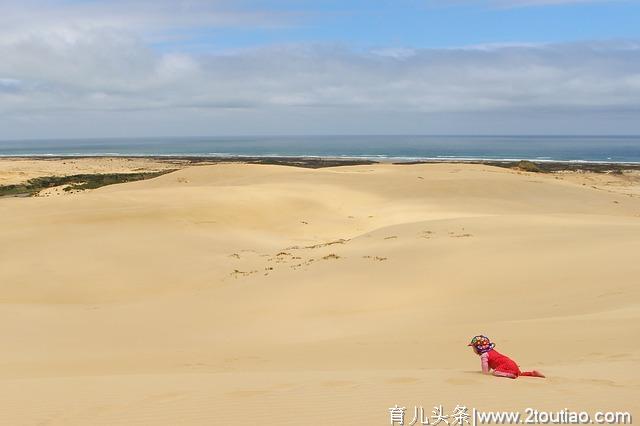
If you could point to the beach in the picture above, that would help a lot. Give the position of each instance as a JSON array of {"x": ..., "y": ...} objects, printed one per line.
[{"x": 234, "y": 293}]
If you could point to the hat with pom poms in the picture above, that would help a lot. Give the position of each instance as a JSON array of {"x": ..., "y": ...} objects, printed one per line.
[{"x": 482, "y": 344}]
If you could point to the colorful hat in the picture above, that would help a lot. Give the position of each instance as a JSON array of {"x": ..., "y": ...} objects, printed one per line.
[{"x": 482, "y": 344}]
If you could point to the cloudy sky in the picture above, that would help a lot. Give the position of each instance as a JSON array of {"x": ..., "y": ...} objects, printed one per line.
[{"x": 79, "y": 68}]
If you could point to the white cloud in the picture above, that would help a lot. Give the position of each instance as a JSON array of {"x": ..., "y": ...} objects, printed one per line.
[
  {"x": 134, "y": 15},
  {"x": 101, "y": 70},
  {"x": 73, "y": 62}
]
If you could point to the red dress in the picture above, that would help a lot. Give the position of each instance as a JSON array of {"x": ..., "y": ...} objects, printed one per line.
[
  {"x": 502, "y": 363},
  {"x": 503, "y": 366}
]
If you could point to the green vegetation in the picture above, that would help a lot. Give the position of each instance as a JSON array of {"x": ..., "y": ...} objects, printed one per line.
[
  {"x": 74, "y": 182},
  {"x": 549, "y": 166},
  {"x": 528, "y": 166}
]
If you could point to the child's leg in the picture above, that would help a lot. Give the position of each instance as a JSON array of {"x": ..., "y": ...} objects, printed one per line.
[
  {"x": 534, "y": 373},
  {"x": 499, "y": 373}
]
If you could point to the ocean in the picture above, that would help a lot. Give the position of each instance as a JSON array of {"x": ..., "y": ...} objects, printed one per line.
[{"x": 615, "y": 149}]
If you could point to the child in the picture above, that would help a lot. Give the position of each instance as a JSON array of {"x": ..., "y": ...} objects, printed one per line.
[{"x": 502, "y": 365}]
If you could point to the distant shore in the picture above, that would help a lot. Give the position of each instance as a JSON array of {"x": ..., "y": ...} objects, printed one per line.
[
  {"x": 58, "y": 175},
  {"x": 359, "y": 148},
  {"x": 320, "y": 162}
]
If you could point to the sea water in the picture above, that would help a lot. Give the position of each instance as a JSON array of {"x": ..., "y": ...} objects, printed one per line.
[{"x": 399, "y": 148}]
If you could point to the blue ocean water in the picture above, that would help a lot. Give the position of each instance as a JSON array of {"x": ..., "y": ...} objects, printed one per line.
[{"x": 551, "y": 148}]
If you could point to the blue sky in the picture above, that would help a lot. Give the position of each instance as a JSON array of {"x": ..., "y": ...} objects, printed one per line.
[
  {"x": 219, "y": 67},
  {"x": 430, "y": 24}
]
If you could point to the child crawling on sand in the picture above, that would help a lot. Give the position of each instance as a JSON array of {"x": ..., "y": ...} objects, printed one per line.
[{"x": 502, "y": 365}]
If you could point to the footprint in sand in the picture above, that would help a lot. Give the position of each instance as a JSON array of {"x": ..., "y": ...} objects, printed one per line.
[
  {"x": 378, "y": 258},
  {"x": 314, "y": 246},
  {"x": 282, "y": 257},
  {"x": 391, "y": 237},
  {"x": 331, "y": 256},
  {"x": 462, "y": 234},
  {"x": 237, "y": 272}
]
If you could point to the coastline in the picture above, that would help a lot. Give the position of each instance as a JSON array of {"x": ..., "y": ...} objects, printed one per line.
[
  {"x": 58, "y": 175},
  {"x": 399, "y": 148},
  {"x": 332, "y": 161}
]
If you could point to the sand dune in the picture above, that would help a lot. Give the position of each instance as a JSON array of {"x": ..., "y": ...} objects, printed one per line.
[
  {"x": 254, "y": 294},
  {"x": 19, "y": 170}
]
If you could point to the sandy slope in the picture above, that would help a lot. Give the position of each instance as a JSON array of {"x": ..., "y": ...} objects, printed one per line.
[
  {"x": 240, "y": 294},
  {"x": 19, "y": 170}
]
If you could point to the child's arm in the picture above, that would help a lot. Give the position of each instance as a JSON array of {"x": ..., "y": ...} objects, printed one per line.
[{"x": 484, "y": 358}]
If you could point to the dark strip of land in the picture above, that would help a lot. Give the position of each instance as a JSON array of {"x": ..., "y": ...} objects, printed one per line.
[
  {"x": 320, "y": 162},
  {"x": 74, "y": 182},
  {"x": 551, "y": 166}
]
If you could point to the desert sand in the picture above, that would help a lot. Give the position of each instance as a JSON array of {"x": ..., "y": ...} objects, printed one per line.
[
  {"x": 256, "y": 294},
  {"x": 19, "y": 170}
]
